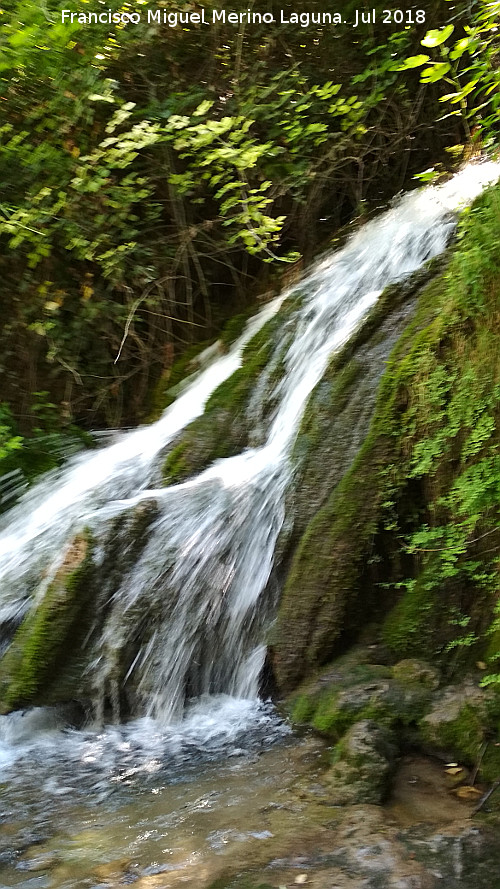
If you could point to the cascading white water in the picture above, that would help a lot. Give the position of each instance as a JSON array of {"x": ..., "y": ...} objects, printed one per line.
[{"x": 210, "y": 550}]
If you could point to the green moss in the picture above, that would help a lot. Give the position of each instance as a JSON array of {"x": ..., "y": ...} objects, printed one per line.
[
  {"x": 423, "y": 488},
  {"x": 490, "y": 764},
  {"x": 415, "y": 674},
  {"x": 326, "y": 568},
  {"x": 43, "y": 641},
  {"x": 462, "y": 736},
  {"x": 235, "y": 326},
  {"x": 408, "y": 627},
  {"x": 223, "y": 428},
  {"x": 332, "y": 719},
  {"x": 332, "y": 394},
  {"x": 492, "y": 650},
  {"x": 465, "y": 723},
  {"x": 331, "y": 399},
  {"x": 302, "y": 709},
  {"x": 345, "y": 692},
  {"x": 319, "y": 710},
  {"x": 329, "y": 720},
  {"x": 234, "y": 393},
  {"x": 175, "y": 467}
]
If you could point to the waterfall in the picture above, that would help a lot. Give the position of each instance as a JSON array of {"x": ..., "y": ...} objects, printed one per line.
[{"x": 200, "y": 586}]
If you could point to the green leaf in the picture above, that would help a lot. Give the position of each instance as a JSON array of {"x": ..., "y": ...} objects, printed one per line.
[
  {"x": 95, "y": 97},
  {"x": 203, "y": 108},
  {"x": 22, "y": 37},
  {"x": 435, "y": 72},
  {"x": 437, "y": 37},
  {"x": 413, "y": 62},
  {"x": 460, "y": 47}
]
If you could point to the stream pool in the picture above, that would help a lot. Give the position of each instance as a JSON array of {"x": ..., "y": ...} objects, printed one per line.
[
  {"x": 136, "y": 803},
  {"x": 231, "y": 797}
]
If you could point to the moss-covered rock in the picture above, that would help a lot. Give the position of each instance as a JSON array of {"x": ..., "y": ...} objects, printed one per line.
[
  {"x": 46, "y": 637},
  {"x": 410, "y": 626},
  {"x": 342, "y": 490},
  {"x": 411, "y": 528},
  {"x": 192, "y": 359},
  {"x": 51, "y": 655},
  {"x": 175, "y": 377},
  {"x": 234, "y": 417},
  {"x": 460, "y": 722},
  {"x": 346, "y": 691},
  {"x": 413, "y": 673},
  {"x": 339, "y": 412},
  {"x": 464, "y": 724},
  {"x": 363, "y": 763},
  {"x": 352, "y": 689}
]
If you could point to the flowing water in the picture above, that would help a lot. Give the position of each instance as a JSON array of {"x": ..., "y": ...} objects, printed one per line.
[{"x": 201, "y": 582}]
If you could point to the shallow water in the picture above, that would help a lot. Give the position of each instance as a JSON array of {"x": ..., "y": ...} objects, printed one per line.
[
  {"x": 193, "y": 805},
  {"x": 129, "y": 804}
]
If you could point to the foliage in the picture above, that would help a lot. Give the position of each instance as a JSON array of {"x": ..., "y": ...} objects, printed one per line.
[
  {"x": 451, "y": 426},
  {"x": 468, "y": 65},
  {"x": 8, "y": 441},
  {"x": 153, "y": 173},
  {"x": 23, "y": 458}
]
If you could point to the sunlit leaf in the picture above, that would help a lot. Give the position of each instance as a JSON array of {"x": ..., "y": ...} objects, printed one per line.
[
  {"x": 437, "y": 37},
  {"x": 413, "y": 62}
]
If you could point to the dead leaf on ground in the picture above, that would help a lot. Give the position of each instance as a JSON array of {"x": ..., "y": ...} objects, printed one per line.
[{"x": 467, "y": 792}]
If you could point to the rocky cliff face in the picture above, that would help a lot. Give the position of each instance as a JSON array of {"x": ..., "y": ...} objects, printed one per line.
[
  {"x": 390, "y": 522},
  {"x": 399, "y": 548}
]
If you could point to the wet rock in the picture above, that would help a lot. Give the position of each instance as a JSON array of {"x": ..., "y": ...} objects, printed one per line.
[
  {"x": 46, "y": 637},
  {"x": 365, "y": 760},
  {"x": 340, "y": 493},
  {"x": 234, "y": 417},
  {"x": 463, "y": 856},
  {"x": 450, "y": 704},
  {"x": 358, "y": 697},
  {"x": 352, "y": 689},
  {"x": 112, "y": 871}
]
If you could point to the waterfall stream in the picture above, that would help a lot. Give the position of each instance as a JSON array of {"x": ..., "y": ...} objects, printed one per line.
[
  {"x": 203, "y": 778},
  {"x": 202, "y": 579}
]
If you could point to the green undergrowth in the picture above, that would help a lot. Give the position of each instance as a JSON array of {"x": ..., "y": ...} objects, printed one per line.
[
  {"x": 45, "y": 446},
  {"x": 412, "y": 528}
]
